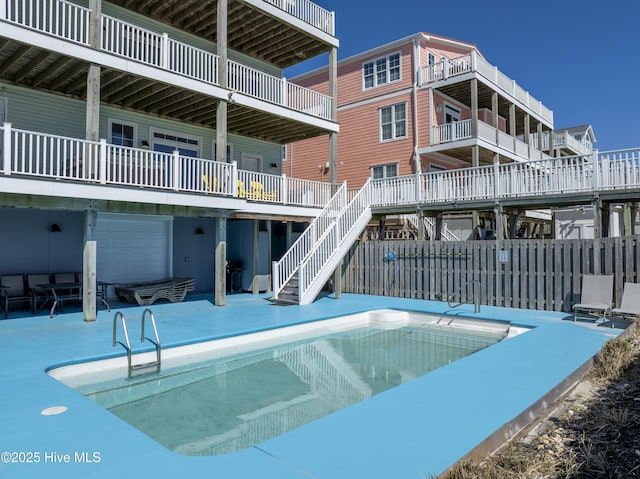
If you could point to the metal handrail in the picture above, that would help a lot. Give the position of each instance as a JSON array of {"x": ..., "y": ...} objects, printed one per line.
[
  {"x": 131, "y": 367},
  {"x": 155, "y": 332},
  {"x": 126, "y": 337},
  {"x": 476, "y": 301}
]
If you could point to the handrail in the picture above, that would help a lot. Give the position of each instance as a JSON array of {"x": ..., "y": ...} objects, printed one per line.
[
  {"x": 476, "y": 301},
  {"x": 155, "y": 332},
  {"x": 126, "y": 336},
  {"x": 131, "y": 367}
]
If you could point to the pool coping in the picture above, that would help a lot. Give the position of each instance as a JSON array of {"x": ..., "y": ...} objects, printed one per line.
[{"x": 325, "y": 448}]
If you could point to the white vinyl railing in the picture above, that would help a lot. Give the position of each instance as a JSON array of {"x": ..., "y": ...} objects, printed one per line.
[
  {"x": 55, "y": 17},
  {"x": 71, "y": 22},
  {"x": 285, "y": 268},
  {"x": 308, "y": 12},
  {"x": 28, "y": 153},
  {"x": 333, "y": 237},
  {"x": 454, "y": 131},
  {"x": 472, "y": 62}
]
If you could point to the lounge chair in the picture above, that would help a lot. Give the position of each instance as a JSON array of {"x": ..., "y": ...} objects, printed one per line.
[
  {"x": 630, "y": 305},
  {"x": 172, "y": 289},
  {"x": 596, "y": 295},
  {"x": 13, "y": 291}
]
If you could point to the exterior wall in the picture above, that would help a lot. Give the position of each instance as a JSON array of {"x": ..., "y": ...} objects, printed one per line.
[
  {"x": 35, "y": 249},
  {"x": 193, "y": 255}
]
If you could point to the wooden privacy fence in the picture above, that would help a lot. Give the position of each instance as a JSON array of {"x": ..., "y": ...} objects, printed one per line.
[{"x": 532, "y": 274}]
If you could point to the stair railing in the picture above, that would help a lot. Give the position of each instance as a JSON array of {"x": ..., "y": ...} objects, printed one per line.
[
  {"x": 311, "y": 266},
  {"x": 286, "y": 267}
]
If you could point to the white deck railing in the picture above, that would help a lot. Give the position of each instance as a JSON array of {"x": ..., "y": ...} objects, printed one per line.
[
  {"x": 33, "y": 154},
  {"x": 462, "y": 130},
  {"x": 308, "y": 12},
  {"x": 71, "y": 22},
  {"x": 471, "y": 62},
  {"x": 55, "y": 17}
]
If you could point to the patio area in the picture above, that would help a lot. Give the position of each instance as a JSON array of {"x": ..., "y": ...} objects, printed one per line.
[{"x": 416, "y": 430}]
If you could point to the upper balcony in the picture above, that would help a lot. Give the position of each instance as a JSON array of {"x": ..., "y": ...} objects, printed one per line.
[
  {"x": 450, "y": 76},
  {"x": 457, "y": 138},
  {"x": 279, "y": 32},
  {"x": 46, "y": 46}
]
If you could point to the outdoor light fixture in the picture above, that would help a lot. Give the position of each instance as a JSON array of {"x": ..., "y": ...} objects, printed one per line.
[
  {"x": 55, "y": 228},
  {"x": 199, "y": 231}
]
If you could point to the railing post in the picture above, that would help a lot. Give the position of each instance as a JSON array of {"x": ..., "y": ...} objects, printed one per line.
[
  {"x": 164, "y": 51},
  {"x": 284, "y": 189},
  {"x": 175, "y": 163},
  {"x": 595, "y": 165},
  {"x": 285, "y": 91},
  {"x": 102, "y": 161},
  {"x": 234, "y": 178},
  {"x": 3, "y": 10},
  {"x": 275, "y": 275},
  {"x": 6, "y": 146}
]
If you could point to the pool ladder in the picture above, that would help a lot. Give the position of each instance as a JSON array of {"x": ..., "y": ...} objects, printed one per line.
[
  {"x": 475, "y": 299},
  {"x": 127, "y": 346}
]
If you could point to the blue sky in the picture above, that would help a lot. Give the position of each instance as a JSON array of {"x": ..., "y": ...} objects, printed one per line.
[{"x": 578, "y": 57}]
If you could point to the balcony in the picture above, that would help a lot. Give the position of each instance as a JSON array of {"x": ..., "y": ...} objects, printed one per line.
[
  {"x": 451, "y": 70},
  {"x": 151, "y": 92},
  {"x": 458, "y": 135},
  {"x": 33, "y": 155}
]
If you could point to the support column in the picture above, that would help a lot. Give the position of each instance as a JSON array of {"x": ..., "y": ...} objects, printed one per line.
[
  {"x": 499, "y": 233},
  {"x": 494, "y": 112},
  {"x": 289, "y": 234},
  {"x": 255, "y": 281},
  {"x": 269, "y": 256},
  {"x": 474, "y": 108},
  {"x": 438, "y": 228},
  {"x": 222, "y": 108},
  {"x": 512, "y": 120},
  {"x": 333, "y": 151},
  {"x": 89, "y": 269},
  {"x": 420, "y": 215},
  {"x": 220, "y": 265},
  {"x": 597, "y": 234},
  {"x": 92, "y": 118},
  {"x": 527, "y": 129},
  {"x": 540, "y": 142}
]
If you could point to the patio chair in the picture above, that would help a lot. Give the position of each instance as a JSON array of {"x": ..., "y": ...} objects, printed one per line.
[
  {"x": 630, "y": 305},
  {"x": 146, "y": 293},
  {"x": 596, "y": 295},
  {"x": 15, "y": 291},
  {"x": 37, "y": 293}
]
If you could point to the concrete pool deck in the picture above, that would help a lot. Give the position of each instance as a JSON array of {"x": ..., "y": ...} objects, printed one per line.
[{"x": 416, "y": 430}]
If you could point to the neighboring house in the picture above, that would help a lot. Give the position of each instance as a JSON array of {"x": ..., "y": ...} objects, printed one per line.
[
  {"x": 113, "y": 117},
  {"x": 428, "y": 103}
]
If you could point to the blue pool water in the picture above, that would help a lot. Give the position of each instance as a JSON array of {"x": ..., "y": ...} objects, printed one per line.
[{"x": 227, "y": 404}]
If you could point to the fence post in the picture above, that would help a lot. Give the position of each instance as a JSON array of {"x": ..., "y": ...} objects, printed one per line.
[
  {"x": 6, "y": 146},
  {"x": 275, "y": 276},
  {"x": 3, "y": 10},
  {"x": 285, "y": 96},
  {"x": 102, "y": 161},
  {"x": 595, "y": 165}
]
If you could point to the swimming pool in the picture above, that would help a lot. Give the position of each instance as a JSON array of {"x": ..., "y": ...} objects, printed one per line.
[{"x": 226, "y": 395}]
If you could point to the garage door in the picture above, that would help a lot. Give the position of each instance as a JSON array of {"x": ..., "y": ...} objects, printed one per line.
[{"x": 133, "y": 248}]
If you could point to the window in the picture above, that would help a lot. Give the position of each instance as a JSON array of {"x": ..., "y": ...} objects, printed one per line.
[
  {"x": 431, "y": 58},
  {"x": 384, "y": 171},
  {"x": 393, "y": 122},
  {"x": 122, "y": 133},
  {"x": 381, "y": 71},
  {"x": 451, "y": 114},
  {"x": 168, "y": 142}
]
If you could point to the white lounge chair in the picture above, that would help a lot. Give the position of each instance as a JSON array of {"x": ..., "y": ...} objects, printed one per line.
[
  {"x": 596, "y": 295},
  {"x": 630, "y": 305}
]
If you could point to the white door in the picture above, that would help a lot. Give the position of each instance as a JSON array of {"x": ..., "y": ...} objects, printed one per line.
[{"x": 133, "y": 248}]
